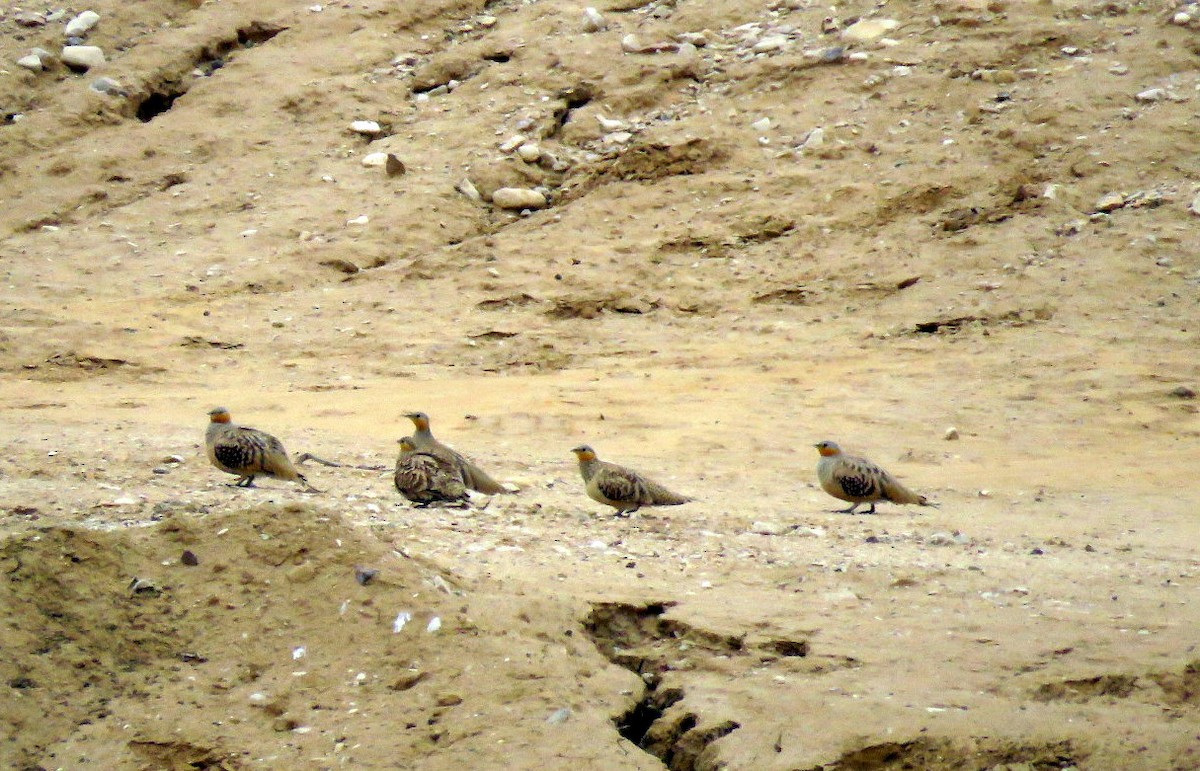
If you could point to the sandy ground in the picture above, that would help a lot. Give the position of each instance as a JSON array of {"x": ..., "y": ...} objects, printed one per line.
[{"x": 991, "y": 232}]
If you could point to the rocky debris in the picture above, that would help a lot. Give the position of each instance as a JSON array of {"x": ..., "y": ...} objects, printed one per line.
[
  {"x": 391, "y": 165},
  {"x": 83, "y": 58},
  {"x": 108, "y": 86},
  {"x": 81, "y": 25},
  {"x": 31, "y": 62},
  {"x": 869, "y": 30},
  {"x": 367, "y": 128}
]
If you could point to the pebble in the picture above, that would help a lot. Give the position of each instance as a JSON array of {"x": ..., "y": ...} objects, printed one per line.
[
  {"x": 107, "y": 86},
  {"x": 763, "y": 124},
  {"x": 869, "y": 30},
  {"x": 468, "y": 189},
  {"x": 375, "y": 159},
  {"x": 1183, "y": 392},
  {"x": 529, "y": 152},
  {"x": 82, "y": 24},
  {"x": 1151, "y": 95},
  {"x": 518, "y": 198},
  {"x": 610, "y": 124},
  {"x": 951, "y": 434},
  {"x": 83, "y": 57},
  {"x": 815, "y": 139},
  {"x": 393, "y": 166},
  {"x": 29, "y": 19},
  {"x": 31, "y": 62},
  {"x": 368, "y": 128},
  {"x": 593, "y": 20},
  {"x": 771, "y": 43},
  {"x": 511, "y": 144},
  {"x": 359, "y": 220},
  {"x": 1194, "y": 206},
  {"x": 189, "y": 558}
]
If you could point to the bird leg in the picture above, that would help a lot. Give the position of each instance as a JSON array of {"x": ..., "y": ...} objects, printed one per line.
[
  {"x": 846, "y": 511},
  {"x": 305, "y": 457},
  {"x": 245, "y": 482}
]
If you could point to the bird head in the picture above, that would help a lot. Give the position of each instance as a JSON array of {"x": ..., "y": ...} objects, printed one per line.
[
  {"x": 584, "y": 453},
  {"x": 828, "y": 448},
  {"x": 419, "y": 419},
  {"x": 406, "y": 444},
  {"x": 219, "y": 415}
]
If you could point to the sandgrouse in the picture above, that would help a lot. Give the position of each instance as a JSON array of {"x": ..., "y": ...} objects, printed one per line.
[
  {"x": 858, "y": 480},
  {"x": 619, "y": 487},
  {"x": 248, "y": 452},
  {"x": 472, "y": 476},
  {"x": 425, "y": 479}
]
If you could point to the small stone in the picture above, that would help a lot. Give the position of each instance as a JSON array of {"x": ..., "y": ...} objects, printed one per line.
[
  {"x": 374, "y": 159},
  {"x": 611, "y": 124},
  {"x": 393, "y": 166},
  {"x": 1194, "y": 206},
  {"x": 815, "y": 139},
  {"x": 951, "y": 434},
  {"x": 107, "y": 86},
  {"x": 869, "y": 30},
  {"x": 559, "y": 716},
  {"x": 449, "y": 700},
  {"x": 29, "y": 19},
  {"x": 31, "y": 62},
  {"x": 1182, "y": 19},
  {"x": 83, "y": 58},
  {"x": 511, "y": 144},
  {"x": 367, "y": 128},
  {"x": 1183, "y": 392},
  {"x": 189, "y": 558},
  {"x": 364, "y": 575},
  {"x": 763, "y": 124},
  {"x": 769, "y": 528},
  {"x": 173, "y": 459},
  {"x": 487, "y": 22},
  {"x": 82, "y": 24},
  {"x": 1110, "y": 202},
  {"x": 468, "y": 189},
  {"x": 362, "y": 219},
  {"x": 593, "y": 20},
  {"x": 630, "y": 44},
  {"x": 1151, "y": 95},
  {"x": 618, "y": 137},
  {"x": 518, "y": 198},
  {"x": 529, "y": 152},
  {"x": 771, "y": 43}
]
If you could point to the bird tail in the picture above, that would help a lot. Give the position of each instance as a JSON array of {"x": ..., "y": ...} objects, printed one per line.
[
  {"x": 664, "y": 497},
  {"x": 478, "y": 480},
  {"x": 898, "y": 493}
]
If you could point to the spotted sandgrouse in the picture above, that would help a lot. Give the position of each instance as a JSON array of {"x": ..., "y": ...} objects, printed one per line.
[
  {"x": 623, "y": 489},
  {"x": 424, "y": 478},
  {"x": 858, "y": 480},
  {"x": 248, "y": 452},
  {"x": 472, "y": 476}
]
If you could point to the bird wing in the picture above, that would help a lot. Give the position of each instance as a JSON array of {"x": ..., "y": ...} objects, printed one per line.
[
  {"x": 859, "y": 478},
  {"x": 620, "y": 484}
]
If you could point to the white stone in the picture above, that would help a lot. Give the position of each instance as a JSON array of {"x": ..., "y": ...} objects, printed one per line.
[
  {"x": 593, "y": 20},
  {"x": 1181, "y": 18},
  {"x": 1194, "y": 207},
  {"x": 618, "y": 137},
  {"x": 769, "y": 528},
  {"x": 1110, "y": 202},
  {"x": 368, "y": 128},
  {"x": 107, "y": 86},
  {"x": 529, "y": 152},
  {"x": 771, "y": 43},
  {"x": 359, "y": 220},
  {"x": 762, "y": 124},
  {"x": 951, "y": 434},
  {"x": 83, "y": 57},
  {"x": 609, "y": 124},
  {"x": 82, "y": 24},
  {"x": 31, "y": 62},
  {"x": 869, "y": 30},
  {"x": 518, "y": 198},
  {"x": 374, "y": 159},
  {"x": 1151, "y": 95},
  {"x": 815, "y": 139}
]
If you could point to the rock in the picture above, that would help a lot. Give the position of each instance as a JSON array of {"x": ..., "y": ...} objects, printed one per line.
[
  {"x": 770, "y": 43},
  {"x": 393, "y": 166},
  {"x": 367, "y": 128},
  {"x": 869, "y": 30},
  {"x": 1183, "y": 392},
  {"x": 362, "y": 219},
  {"x": 468, "y": 189},
  {"x": 529, "y": 152},
  {"x": 511, "y": 144},
  {"x": 31, "y": 62},
  {"x": 108, "y": 86},
  {"x": 609, "y": 124},
  {"x": 815, "y": 139},
  {"x": 1182, "y": 18},
  {"x": 1110, "y": 202},
  {"x": 82, "y": 24},
  {"x": 83, "y": 58},
  {"x": 1151, "y": 95},
  {"x": 518, "y": 198},
  {"x": 593, "y": 20},
  {"x": 618, "y": 137},
  {"x": 374, "y": 159},
  {"x": 29, "y": 19},
  {"x": 1194, "y": 206},
  {"x": 762, "y": 124},
  {"x": 951, "y": 434}
]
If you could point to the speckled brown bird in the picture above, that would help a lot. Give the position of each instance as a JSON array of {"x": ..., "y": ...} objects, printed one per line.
[
  {"x": 248, "y": 452},
  {"x": 425, "y": 479},
  {"x": 472, "y": 476},
  {"x": 858, "y": 480},
  {"x": 623, "y": 489}
]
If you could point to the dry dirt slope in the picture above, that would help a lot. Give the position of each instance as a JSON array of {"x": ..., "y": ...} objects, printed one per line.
[{"x": 706, "y": 285}]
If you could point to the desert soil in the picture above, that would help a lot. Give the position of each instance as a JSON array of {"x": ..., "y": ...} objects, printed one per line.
[{"x": 981, "y": 220}]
